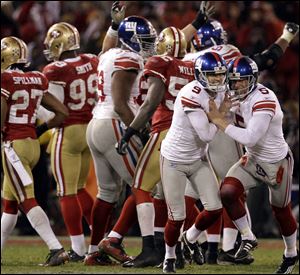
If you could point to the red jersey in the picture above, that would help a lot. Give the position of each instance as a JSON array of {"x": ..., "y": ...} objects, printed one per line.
[
  {"x": 175, "y": 73},
  {"x": 23, "y": 92},
  {"x": 78, "y": 77}
]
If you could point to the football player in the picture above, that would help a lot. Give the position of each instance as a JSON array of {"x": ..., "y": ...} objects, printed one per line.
[
  {"x": 212, "y": 37},
  {"x": 21, "y": 95},
  {"x": 268, "y": 159},
  {"x": 73, "y": 80},
  {"x": 183, "y": 154}
]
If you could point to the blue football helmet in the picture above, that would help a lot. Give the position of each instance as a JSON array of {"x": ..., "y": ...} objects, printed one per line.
[
  {"x": 210, "y": 34},
  {"x": 242, "y": 68},
  {"x": 207, "y": 64},
  {"x": 138, "y": 34}
]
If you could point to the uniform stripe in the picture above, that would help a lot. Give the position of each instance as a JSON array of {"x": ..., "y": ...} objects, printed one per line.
[
  {"x": 58, "y": 162},
  {"x": 176, "y": 42},
  {"x": 151, "y": 72},
  {"x": 217, "y": 57},
  {"x": 5, "y": 93},
  {"x": 289, "y": 180},
  {"x": 130, "y": 168},
  {"x": 15, "y": 180},
  {"x": 230, "y": 57},
  {"x": 127, "y": 65},
  {"x": 143, "y": 160},
  {"x": 189, "y": 103}
]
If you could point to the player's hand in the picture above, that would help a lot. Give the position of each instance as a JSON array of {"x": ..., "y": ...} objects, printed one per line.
[
  {"x": 206, "y": 10},
  {"x": 225, "y": 105},
  {"x": 121, "y": 147},
  {"x": 117, "y": 12},
  {"x": 144, "y": 136},
  {"x": 290, "y": 31}
]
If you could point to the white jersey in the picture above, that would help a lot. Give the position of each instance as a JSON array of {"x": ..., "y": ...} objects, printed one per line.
[
  {"x": 272, "y": 147},
  {"x": 227, "y": 51},
  {"x": 182, "y": 143},
  {"x": 111, "y": 61}
]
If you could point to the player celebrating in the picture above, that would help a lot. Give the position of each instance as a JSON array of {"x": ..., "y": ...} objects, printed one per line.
[
  {"x": 268, "y": 159},
  {"x": 21, "y": 95},
  {"x": 73, "y": 80}
]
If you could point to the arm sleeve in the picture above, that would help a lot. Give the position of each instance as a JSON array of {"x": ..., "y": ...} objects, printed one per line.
[
  {"x": 57, "y": 91},
  {"x": 256, "y": 129},
  {"x": 205, "y": 130}
]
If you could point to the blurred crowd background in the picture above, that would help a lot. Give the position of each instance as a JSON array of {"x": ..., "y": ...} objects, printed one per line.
[{"x": 251, "y": 26}]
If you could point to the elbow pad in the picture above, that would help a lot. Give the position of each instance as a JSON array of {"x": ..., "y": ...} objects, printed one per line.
[{"x": 268, "y": 58}]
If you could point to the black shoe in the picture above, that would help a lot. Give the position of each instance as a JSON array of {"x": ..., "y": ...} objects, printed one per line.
[
  {"x": 148, "y": 257},
  {"x": 74, "y": 257},
  {"x": 194, "y": 250},
  {"x": 169, "y": 266},
  {"x": 226, "y": 258},
  {"x": 287, "y": 265},
  {"x": 160, "y": 246},
  {"x": 56, "y": 257},
  {"x": 243, "y": 255},
  {"x": 211, "y": 257},
  {"x": 180, "y": 261}
]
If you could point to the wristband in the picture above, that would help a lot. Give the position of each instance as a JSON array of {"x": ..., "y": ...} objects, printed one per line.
[{"x": 111, "y": 32}]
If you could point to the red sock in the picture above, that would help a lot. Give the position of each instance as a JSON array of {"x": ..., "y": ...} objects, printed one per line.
[
  {"x": 86, "y": 202},
  {"x": 172, "y": 232},
  {"x": 72, "y": 214},
  {"x": 141, "y": 196},
  {"x": 100, "y": 217},
  {"x": 207, "y": 218},
  {"x": 27, "y": 204},
  {"x": 10, "y": 207},
  {"x": 227, "y": 221},
  {"x": 161, "y": 213},
  {"x": 215, "y": 228},
  {"x": 127, "y": 217},
  {"x": 192, "y": 212},
  {"x": 285, "y": 219}
]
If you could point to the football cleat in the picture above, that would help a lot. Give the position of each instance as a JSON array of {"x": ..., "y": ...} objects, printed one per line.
[
  {"x": 169, "y": 266},
  {"x": 74, "y": 257},
  {"x": 97, "y": 258},
  {"x": 211, "y": 257},
  {"x": 226, "y": 258},
  {"x": 148, "y": 257},
  {"x": 56, "y": 257},
  {"x": 114, "y": 248},
  {"x": 243, "y": 255},
  {"x": 287, "y": 265},
  {"x": 194, "y": 250},
  {"x": 180, "y": 261}
]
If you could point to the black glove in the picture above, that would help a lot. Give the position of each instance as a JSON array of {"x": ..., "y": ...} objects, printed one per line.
[
  {"x": 122, "y": 145},
  {"x": 205, "y": 11},
  {"x": 39, "y": 130},
  {"x": 144, "y": 136},
  {"x": 117, "y": 15}
]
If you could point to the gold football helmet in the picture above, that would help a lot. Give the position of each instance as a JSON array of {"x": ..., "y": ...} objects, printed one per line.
[
  {"x": 171, "y": 41},
  {"x": 61, "y": 37},
  {"x": 13, "y": 50}
]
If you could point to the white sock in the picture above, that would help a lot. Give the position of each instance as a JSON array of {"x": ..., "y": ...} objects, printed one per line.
[
  {"x": 93, "y": 248},
  {"x": 40, "y": 222},
  {"x": 170, "y": 252},
  {"x": 193, "y": 234},
  {"x": 242, "y": 225},
  {"x": 213, "y": 238},
  {"x": 146, "y": 216},
  {"x": 114, "y": 234},
  {"x": 78, "y": 244},
  {"x": 8, "y": 223},
  {"x": 229, "y": 238},
  {"x": 203, "y": 237},
  {"x": 290, "y": 243}
]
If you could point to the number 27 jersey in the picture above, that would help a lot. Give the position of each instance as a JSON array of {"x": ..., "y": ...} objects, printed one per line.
[{"x": 175, "y": 74}]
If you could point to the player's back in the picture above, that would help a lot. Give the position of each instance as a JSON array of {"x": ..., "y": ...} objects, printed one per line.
[
  {"x": 111, "y": 61},
  {"x": 23, "y": 92},
  {"x": 78, "y": 77},
  {"x": 175, "y": 74},
  {"x": 227, "y": 51}
]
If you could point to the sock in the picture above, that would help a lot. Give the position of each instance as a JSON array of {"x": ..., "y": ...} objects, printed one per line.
[
  {"x": 114, "y": 234},
  {"x": 148, "y": 242},
  {"x": 290, "y": 243},
  {"x": 170, "y": 252},
  {"x": 146, "y": 214},
  {"x": 127, "y": 217},
  {"x": 40, "y": 222},
  {"x": 72, "y": 214},
  {"x": 86, "y": 202},
  {"x": 78, "y": 244},
  {"x": 192, "y": 212},
  {"x": 242, "y": 225},
  {"x": 172, "y": 232},
  {"x": 161, "y": 215},
  {"x": 8, "y": 223},
  {"x": 100, "y": 218},
  {"x": 229, "y": 238},
  {"x": 93, "y": 248},
  {"x": 193, "y": 234}
]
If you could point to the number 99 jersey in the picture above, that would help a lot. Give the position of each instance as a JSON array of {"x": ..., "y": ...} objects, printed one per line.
[
  {"x": 78, "y": 77},
  {"x": 175, "y": 74}
]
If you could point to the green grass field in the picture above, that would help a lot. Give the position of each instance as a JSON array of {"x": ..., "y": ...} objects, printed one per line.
[{"x": 23, "y": 254}]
